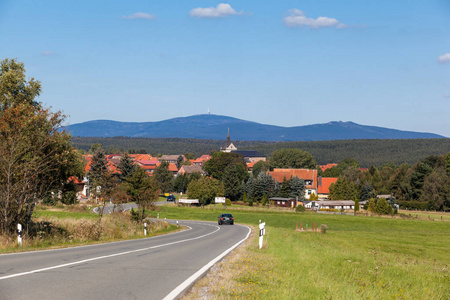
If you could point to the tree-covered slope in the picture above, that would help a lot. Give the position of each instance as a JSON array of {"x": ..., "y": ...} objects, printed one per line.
[
  {"x": 216, "y": 127},
  {"x": 366, "y": 152}
]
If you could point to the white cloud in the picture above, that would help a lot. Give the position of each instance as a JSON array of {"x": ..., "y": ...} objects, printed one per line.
[
  {"x": 139, "y": 15},
  {"x": 444, "y": 58},
  {"x": 48, "y": 53},
  {"x": 297, "y": 18},
  {"x": 221, "y": 10}
]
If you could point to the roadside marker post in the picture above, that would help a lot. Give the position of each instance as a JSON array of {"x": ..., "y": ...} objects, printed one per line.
[
  {"x": 145, "y": 229},
  {"x": 262, "y": 231},
  {"x": 19, "y": 234}
]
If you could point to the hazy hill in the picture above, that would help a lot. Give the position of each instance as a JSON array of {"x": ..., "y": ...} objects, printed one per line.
[{"x": 215, "y": 127}]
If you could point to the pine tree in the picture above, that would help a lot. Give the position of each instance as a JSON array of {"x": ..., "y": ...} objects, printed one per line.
[
  {"x": 126, "y": 167},
  {"x": 285, "y": 189},
  {"x": 164, "y": 177},
  {"x": 356, "y": 208},
  {"x": 98, "y": 170},
  {"x": 250, "y": 187},
  {"x": 143, "y": 190},
  {"x": 231, "y": 182},
  {"x": 180, "y": 160},
  {"x": 298, "y": 188},
  {"x": 276, "y": 189},
  {"x": 371, "y": 207}
]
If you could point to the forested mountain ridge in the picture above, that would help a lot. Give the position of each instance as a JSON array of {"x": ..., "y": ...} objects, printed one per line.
[
  {"x": 215, "y": 127},
  {"x": 366, "y": 152}
]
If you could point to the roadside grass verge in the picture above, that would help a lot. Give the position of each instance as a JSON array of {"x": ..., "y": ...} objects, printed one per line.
[
  {"x": 358, "y": 257},
  {"x": 56, "y": 228}
]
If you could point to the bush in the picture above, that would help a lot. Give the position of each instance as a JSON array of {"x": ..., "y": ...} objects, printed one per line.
[
  {"x": 250, "y": 203},
  {"x": 382, "y": 207},
  {"x": 264, "y": 200},
  {"x": 227, "y": 202},
  {"x": 300, "y": 208},
  {"x": 135, "y": 215},
  {"x": 86, "y": 230},
  {"x": 323, "y": 228},
  {"x": 69, "y": 198},
  {"x": 49, "y": 200}
]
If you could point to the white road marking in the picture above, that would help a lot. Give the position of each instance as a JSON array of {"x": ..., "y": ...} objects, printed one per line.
[
  {"x": 105, "y": 256},
  {"x": 179, "y": 289}
]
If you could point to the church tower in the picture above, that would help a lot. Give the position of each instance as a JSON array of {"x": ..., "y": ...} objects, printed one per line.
[{"x": 229, "y": 145}]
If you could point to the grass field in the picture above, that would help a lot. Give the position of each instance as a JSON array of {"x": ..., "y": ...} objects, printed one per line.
[{"x": 358, "y": 257}]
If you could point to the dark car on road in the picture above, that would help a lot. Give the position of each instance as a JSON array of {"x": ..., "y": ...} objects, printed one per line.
[
  {"x": 226, "y": 219},
  {"x": 170, "y": 198}
]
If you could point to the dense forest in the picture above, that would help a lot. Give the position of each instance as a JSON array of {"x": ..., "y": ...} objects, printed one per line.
[{"x": 366, "y": 152}]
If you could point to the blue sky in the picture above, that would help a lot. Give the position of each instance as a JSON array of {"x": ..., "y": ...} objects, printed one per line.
[{"x": 287, "y": 63}]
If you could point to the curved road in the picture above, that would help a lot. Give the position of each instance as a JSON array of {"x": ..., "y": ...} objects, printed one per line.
[{"x": 160, "y": 267}]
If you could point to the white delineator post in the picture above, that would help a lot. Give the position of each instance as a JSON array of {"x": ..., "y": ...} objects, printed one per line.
[
  {"x": 145, "y": 229},
  {"x": 262, "y": 231},
  {"x": 19, "y": 234}
]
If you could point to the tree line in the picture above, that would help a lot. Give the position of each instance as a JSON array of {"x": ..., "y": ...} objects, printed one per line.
[
  {"x": 366, "y": 152},
  {"x": 424, "y": 185}
]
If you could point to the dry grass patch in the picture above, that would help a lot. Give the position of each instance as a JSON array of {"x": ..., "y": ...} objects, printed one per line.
[{"x": 53, "y": 231}]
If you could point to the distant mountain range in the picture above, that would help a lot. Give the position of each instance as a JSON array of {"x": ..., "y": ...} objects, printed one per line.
[{"x": 215, "y": 127}]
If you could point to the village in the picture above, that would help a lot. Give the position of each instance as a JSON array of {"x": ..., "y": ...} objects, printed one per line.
[{"x": 316, "y": 188}]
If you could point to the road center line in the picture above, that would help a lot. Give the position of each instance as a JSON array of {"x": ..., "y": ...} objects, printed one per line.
[{"x": 105, "y": 256}]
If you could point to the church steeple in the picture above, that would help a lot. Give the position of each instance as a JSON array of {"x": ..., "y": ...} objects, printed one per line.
[{"x": 229, "y": 146}]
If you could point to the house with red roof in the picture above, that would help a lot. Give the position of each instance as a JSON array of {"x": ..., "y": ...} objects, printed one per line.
[
  {"x": 173, "y": 168},
  {"x": 201, "y": 160},
  {"x": 148, "y": 165},
  {"x": 140, "y": 156},
  {"x": 310, "y": 177},
  {"x": 323, "y": 188},
  {"x": 250, "y": 166}
]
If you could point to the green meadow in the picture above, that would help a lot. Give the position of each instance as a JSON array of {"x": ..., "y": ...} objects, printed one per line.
[{"x": 357, "y": 258}]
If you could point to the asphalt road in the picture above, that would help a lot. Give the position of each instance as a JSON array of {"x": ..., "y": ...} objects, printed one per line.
[{"x": 154, "y": 268}]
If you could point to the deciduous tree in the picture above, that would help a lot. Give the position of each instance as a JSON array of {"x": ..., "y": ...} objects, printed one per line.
[
  {"x": 292, "y": 158},
  {"x": 35, "y": 157},
  {"x": 143, "y": 189},
  {"x": 219, "y": 161},
  {"x": 205, "y": 189}
]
